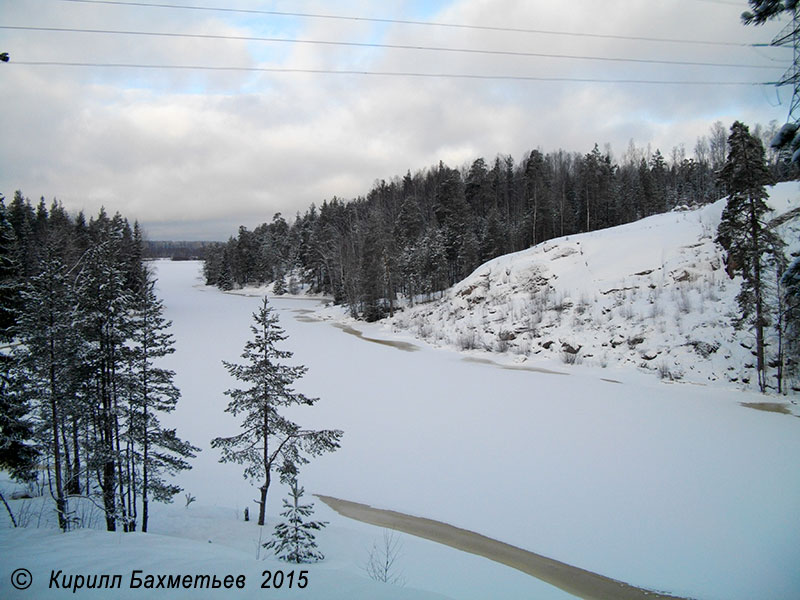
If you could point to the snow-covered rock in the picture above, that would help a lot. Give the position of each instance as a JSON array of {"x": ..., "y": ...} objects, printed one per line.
[{"x": 653, "y": 294}]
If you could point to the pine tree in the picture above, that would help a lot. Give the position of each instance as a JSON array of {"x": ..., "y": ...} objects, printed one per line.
[
  {"x": 764, "y": 10},
  {"x": 78, "y": 360},
  {"x": 791, "y": 315},
  {"x": 742, "y": 232},
  {"x": 294, "y": 540},
  {"x": 157, "y": 450},
  {"x": 451, "y": 210},
  {"x": 47, "y": 353},
  {"x": 537, "y": 184},
  {"x": 104, "y": 306},
  {"x": 269, "y": 441}
]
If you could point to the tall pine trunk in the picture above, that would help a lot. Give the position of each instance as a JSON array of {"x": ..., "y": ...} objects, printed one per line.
[
  {"x": 130, "y": 475},
  {"x": 69, "y": 473},
  {"x": 145, "y": 471},
  {"x": 779, "y": 328},
  {"x": 75, "y": 487},
  {"x": 107, "y": 445},
  {"x": 108, "y": 481},
  {"x": 115, "y": 446},
  {"x": 61, "y": 500},
  {"x": 758, "y": 292},
  {"x": 262, "y": 505},
  {"x": 121, "y": 482}
]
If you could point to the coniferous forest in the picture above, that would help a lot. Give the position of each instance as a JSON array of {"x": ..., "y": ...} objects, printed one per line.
[
  {"x": 419, "y": 234},
  {"x": 433, "y": 290},
  {"x": 81, "y": 392}
]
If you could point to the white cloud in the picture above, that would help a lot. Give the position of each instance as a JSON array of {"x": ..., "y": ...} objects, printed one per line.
[{"x": 172, "y": 147}]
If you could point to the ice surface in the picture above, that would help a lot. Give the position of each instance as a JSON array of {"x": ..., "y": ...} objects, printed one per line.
[{"x": 666, "y": 486}]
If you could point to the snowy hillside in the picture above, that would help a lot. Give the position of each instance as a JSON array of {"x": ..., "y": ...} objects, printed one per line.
[{"x": 653, "y": 294}]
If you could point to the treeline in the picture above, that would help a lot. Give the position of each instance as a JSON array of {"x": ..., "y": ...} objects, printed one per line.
[
  {"x": 82, "y": 332},
  {"x": 421, "y": 233},
  {"x": 174, "y": 250}
]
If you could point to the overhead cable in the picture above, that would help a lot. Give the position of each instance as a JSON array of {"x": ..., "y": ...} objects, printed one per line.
[
  {"x": 254, "y": 11},
  {"x": 385, "y": 73},
  {"x": 208, "y": 36}
]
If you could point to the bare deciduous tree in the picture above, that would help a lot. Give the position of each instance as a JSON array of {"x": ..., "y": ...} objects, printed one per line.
[{"x": 381, "y": 564}]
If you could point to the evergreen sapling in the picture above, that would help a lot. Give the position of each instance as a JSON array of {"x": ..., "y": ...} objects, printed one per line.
[{"x": 294, "y": 540}]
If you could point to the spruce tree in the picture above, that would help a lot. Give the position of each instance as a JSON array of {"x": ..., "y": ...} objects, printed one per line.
[
  {"x": 372, "y": 271},
  {"x": 279, "y": 288},
  {"x": 9, "y": 273},
  {"x": 18, "y": 453},
  {"x": 22, "y": 218},
  {"x": 294, "y": 540},
  {"x": 268, "y": 440},
  {"x": 742, "y": 232}
]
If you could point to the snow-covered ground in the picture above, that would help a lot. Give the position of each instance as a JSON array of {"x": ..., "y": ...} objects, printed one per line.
[
  {"x": 652, "y": 294},
  {"x": 667, "y": 486}
]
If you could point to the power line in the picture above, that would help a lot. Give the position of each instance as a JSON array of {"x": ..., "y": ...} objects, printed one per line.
[
  {"x": 725, "y": 2},
  {"x": 408, "y": 22},
  {"x": 386, "y": 46},
  {"x": 384, "y": 73}
]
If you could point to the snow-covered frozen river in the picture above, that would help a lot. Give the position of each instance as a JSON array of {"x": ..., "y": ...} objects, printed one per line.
[{"x": 670, "y": 487}]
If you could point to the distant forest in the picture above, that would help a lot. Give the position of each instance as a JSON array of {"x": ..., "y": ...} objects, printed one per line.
[
  {"x": 174, "y": 250},
  {"x": 421, "y": 233}
]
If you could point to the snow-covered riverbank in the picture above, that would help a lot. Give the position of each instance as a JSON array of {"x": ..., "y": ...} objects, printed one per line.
[{"x": 670, "y": 487}]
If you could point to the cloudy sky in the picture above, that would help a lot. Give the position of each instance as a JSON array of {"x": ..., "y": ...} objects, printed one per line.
[{"x": 194, "y": 153}]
